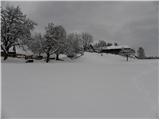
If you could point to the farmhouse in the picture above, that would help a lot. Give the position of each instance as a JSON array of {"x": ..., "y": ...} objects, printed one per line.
[{"x": 116, "y": 49}]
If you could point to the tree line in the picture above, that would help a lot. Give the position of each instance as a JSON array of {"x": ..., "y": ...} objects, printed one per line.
[{"x": 17, "y": 28}]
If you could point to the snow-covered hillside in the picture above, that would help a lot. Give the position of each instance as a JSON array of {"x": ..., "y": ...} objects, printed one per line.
[
  {"x": 87, "y": 58},
  {"x": 91, "y": 86}
]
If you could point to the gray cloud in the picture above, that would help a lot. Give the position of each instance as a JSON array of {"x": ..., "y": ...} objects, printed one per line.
[{"x": 131, "y": 23}]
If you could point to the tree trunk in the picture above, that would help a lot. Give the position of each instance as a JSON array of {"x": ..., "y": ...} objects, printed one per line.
[
  {"x": 5, "y": 56},
  {"x": 47, "y": 59},
  {"x": 57, "y": 56},
  {"x": 14, "y": 48},
  {"x": 127, "y": 57},
  {"x": 6, "y": 51}
]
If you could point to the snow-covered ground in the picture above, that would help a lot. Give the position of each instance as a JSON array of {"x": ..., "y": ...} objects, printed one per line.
[{"x": 92, "y": 86}]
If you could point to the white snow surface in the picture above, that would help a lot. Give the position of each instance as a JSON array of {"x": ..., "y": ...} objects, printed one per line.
[{"x": 91, "y": 86}]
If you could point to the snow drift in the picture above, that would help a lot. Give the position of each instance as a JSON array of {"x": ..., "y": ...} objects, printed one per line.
[{"x": 91, "y": 86}]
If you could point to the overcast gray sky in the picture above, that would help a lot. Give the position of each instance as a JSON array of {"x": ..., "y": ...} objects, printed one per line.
[{"x": 128, "y": 23}]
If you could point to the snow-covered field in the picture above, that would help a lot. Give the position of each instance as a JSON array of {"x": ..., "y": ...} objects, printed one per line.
[{"x": 92, "y": 86}]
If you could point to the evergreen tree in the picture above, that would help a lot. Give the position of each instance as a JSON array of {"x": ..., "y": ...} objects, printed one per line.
[{"x": 141, "y": 53}]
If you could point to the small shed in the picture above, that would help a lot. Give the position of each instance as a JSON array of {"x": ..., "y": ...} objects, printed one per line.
[{"x": 21, "y": 51}]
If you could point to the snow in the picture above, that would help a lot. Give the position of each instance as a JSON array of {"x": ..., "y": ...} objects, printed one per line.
[
  {"x": 93, "y": 58},
  {"x": 91, "y": 86},
  {"x": 103, "y": 58}
]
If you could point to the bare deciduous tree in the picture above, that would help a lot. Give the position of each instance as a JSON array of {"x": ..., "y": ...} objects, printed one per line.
[
  {"x": 54, "y": 42},
  {"x": 101, "y": 43},
  {"x": 15, "y": 28},
  {"x": 75, "y": 44},
  {"x": 87, "y": 40},
  {"x": 36, "y": 45},
  {"x": 60, "y": 35},
  {"x": 127, "y": 53}
]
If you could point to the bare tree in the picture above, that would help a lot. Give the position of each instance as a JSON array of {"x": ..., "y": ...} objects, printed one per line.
[
  {"x": 74, "y": 44},
  {"x": 60, "y": 35},
  {"x": 54, "y": 42},
  {"x": 87, "y": 40},
  {"x": 15, "y": 28},
  {"x": 127, "y": 53},
  {"x": 36, "y": 44},
  {"x": 101, "y": 43}
]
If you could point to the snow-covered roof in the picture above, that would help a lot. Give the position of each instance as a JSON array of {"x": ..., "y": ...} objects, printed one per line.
[
  {"x": 23, "y": 51},
  {"x": 115, "y": 47}
]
